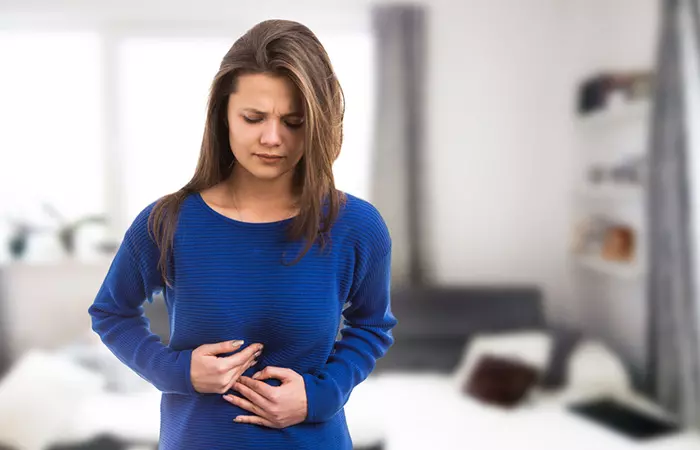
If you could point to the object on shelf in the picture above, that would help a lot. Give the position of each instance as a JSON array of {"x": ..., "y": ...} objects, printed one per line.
[
  {"x": 598, "y": 92},
  {"x": 630, "y": 170},
  {"x": 602, "y": 238},
  {"x": 619, "y": 244}
]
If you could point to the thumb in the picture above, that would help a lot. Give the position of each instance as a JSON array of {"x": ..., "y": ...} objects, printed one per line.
[
  {"x": 221, "y": 347},
  {"x": 278, "y": 373}
]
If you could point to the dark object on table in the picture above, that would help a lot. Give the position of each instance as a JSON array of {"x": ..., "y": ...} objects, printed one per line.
[
  {"x": 373, "y": 447},
  {"x": 563, "y": 345},
  {"x": 623, "y": 419},
  {"x": 501, "y": 381},
  {"x": 103, "y": 442}
]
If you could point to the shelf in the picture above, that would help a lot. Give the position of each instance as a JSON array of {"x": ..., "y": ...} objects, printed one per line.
[
  {"x": 612, "y": 192},
  {"x": 613, "y": 269},
  {"x": 617, "y": 115}
]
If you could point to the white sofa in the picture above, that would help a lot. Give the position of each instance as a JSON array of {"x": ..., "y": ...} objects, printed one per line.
[{"x": 429, "y": 411}]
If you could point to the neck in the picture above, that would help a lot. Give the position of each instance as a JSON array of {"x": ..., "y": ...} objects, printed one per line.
[{"x": 250, "y": 191}]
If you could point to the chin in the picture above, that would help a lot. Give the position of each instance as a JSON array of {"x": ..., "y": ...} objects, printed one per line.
[{"x": 268, "y": 173}]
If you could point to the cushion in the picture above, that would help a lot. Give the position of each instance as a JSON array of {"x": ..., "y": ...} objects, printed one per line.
[
  {"x": 501, "y": 381},
  {"x": 595, "y": 371},
  {"x": 530, "y": 347},
  {"x": 39, "y": 396}
]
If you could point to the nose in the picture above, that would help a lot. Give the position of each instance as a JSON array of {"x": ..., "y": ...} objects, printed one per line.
[{"x": 271, "y": 134}]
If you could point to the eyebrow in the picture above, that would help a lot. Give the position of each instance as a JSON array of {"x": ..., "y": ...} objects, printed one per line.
[{"x": 263, "y": 113}]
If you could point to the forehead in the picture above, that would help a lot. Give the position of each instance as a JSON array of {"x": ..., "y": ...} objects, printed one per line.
[{"x": 267, "y": 93}]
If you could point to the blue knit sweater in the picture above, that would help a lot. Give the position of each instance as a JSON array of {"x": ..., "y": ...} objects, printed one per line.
[{"x": 229, "y": 283}]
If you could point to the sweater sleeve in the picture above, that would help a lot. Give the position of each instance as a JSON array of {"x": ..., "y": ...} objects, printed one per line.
[
  {"x": 365, "y": 338},
  {"x": 117, "y": 313}
]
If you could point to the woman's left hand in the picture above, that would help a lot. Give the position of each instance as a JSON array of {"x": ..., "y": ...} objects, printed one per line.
[{"x": 273, "y": 406}]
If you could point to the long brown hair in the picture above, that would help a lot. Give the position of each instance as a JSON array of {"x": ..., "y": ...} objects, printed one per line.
[{"x": 285, "y": 48}]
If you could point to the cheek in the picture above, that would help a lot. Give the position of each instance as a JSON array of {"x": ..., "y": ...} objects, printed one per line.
[
  {"x": 296, "y": 145},
  {"x": 241, "y": 139}
]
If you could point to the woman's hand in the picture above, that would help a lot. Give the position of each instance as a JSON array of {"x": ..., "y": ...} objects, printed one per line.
[
  {"x": 274, "y": 407},
  {"x": 211, "y": 374}
]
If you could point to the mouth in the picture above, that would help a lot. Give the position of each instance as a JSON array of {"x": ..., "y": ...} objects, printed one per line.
[{"x": 269, "y": 157}]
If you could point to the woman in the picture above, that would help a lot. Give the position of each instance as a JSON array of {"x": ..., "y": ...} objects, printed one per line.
[{"x": 259, "y": 256}]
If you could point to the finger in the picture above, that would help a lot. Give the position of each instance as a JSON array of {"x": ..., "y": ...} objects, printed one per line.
[
  {"x": 221, "y": 347},
  {"x": 242, "y": 357},
  {"x": 279, "y": 373},
  {"x": 263, "y": 389},
  {"x": 247, "y": 405},
  {"x": 255, "y": 420},
  {"x": 238, "y": 371},
  {"x": 252, "y": 395}
]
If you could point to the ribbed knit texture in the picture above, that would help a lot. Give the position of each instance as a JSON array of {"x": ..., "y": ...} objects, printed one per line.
[{"x": 229, "y": 282}]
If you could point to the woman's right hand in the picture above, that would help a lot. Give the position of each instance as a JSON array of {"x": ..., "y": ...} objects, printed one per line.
[{"x": 211, "y": 374}]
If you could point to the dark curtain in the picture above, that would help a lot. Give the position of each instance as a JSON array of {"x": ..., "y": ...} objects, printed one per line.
[{"x": 674, "y": 350}]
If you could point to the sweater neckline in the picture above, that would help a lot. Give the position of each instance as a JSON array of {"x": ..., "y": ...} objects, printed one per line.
[{"x": 240, "y": 223}]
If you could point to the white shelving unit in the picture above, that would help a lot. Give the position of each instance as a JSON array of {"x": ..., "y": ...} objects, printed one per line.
[
  {"x": 610, "y": 295},
  {"x": 607, "y": 137}
]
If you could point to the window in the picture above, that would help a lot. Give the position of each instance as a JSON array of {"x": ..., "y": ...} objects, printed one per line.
[
  {"x": 163, "y": 87},
  {"x": 51, "y": 140}
]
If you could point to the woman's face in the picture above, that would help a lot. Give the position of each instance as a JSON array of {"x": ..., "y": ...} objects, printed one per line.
[{"x": 266, "y": 125}]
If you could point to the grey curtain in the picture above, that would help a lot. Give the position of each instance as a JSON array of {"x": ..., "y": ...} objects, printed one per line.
[
  {"x": 674, "y": 350},
  {"x": 397, "y": 178}
]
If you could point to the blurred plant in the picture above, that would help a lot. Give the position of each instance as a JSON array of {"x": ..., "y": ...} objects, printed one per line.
[
  {"x": 19, "y": 236},
  {"x": 68, "y": 230}
]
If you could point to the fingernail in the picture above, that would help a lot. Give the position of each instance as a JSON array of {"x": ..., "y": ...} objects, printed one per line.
[
  {"x": 237, "y": 419},
  {"x": 255, "y": 361},
  {"x": 257, "y": 354},
  {"x": 256, "y": 376},
  {"x": 236, "y": 343}
]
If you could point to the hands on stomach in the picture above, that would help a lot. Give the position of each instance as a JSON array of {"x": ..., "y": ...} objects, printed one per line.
[{"x": 211, "y": 374}]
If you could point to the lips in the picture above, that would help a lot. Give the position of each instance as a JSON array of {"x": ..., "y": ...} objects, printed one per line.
[{"x": 269, "y": 157}]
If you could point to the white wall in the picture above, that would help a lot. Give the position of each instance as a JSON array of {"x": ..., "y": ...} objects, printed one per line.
[{"x": 499, "y": 150}]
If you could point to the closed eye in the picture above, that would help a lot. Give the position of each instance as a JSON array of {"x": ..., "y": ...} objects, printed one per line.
[
  {"x": 252, "y": 120},
  {"x": 294, "y": 125}
]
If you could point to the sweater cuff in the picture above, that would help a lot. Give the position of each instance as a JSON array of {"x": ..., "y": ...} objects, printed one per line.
[
  {"x": 184, "y": 363},
  {"x": 321, "y": 404}
]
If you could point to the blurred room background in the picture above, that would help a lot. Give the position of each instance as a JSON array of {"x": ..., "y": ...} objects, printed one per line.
[{"x": 533, "y": 160}]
